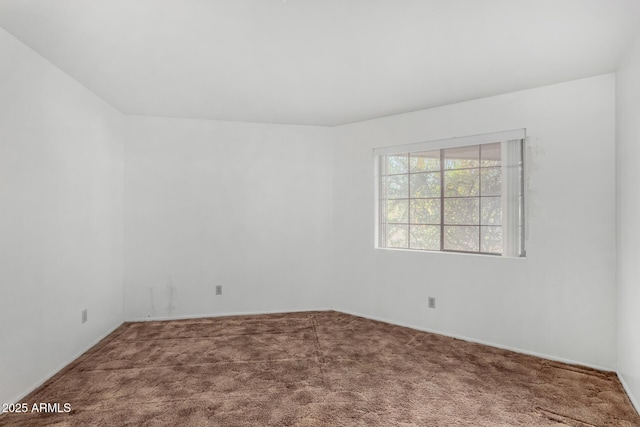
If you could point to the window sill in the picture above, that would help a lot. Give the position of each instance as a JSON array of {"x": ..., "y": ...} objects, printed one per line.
[{"x": 456, "y": 253}]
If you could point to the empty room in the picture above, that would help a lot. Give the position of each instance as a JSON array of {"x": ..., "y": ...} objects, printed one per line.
[{"x": 320, "y": 212}]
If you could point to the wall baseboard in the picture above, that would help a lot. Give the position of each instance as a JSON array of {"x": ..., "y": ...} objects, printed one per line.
[
  {"x": 65, "y": 364},
  {"x": 634, "y": 401},
  {"x": 488, "y": 343},
  {"x": 379, "y": 319},
  {"x": 222, "y": 314}
]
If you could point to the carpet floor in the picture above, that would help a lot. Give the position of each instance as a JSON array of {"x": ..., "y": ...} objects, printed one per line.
[{"x": 317, "y": 369}]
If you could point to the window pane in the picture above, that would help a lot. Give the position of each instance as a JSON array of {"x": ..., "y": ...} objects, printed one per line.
[
  {"x": 457, "y": 238},
  {"x": 490, "y": 154},
  {"x": 425, "y": 237},
  {"x": 461, "y": 211},
  {"x": 425, "y": 161},
  {"x": 425, "y": 184},
  {"x": 491, "y": 238},
  {"x": 463, "y": 182},
  {"x": 425, "y": 211},
  {"x": 491, "y": 181},
  {"x": 397, "y": 164},
  {"x": 397, "y": 187},
  {"x": 397, "y": 236},
  {"x": 462, "y": 157},
  {"x": 491, "y": 210},
  {"x": 397, "y": 211},
  {"x": 453, "y": 199}
]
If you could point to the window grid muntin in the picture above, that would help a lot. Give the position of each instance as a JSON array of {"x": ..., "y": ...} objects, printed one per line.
[{"x": 442, "y": 224}]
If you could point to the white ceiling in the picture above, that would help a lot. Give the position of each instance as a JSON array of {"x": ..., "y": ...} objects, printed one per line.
[{"x": 323, "y": 62}]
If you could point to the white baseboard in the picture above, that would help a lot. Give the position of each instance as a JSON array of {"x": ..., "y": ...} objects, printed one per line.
[
  {"x": 379, "y": 319},
  {"x": 65, "y": 364},
  {"x": 222, "y": 314},
  {"x": 477, "y": 341},
  {"x": 632, "y": 398}
]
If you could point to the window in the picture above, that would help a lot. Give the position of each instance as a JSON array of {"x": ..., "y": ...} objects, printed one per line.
[{"x": 455, "y": 195}]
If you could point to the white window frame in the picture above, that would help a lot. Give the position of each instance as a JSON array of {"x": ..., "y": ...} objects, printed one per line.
[{"x": 513, "y": 197}]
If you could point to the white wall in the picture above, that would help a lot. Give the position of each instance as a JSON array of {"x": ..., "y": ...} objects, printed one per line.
[
  {"x": 284, "y": 219},
  {"x": 246, "y": 206},
  {"x": 60, "y": 218},
  {"x": 628, "y": 214},
  {"x": 560, "y": 301}
]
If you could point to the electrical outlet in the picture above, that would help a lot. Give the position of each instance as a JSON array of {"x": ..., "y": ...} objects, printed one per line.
[
  {"x": 84, "y": 316},
  {"x": 218, "y": 289},
  {"x": 432, "y": 302}
]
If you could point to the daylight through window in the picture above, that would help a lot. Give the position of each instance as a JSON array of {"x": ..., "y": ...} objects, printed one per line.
[{"x": 457, "y": 195}]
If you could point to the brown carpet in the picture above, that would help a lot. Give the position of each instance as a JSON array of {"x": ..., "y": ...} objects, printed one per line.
[{"x": 317, "y": 369}]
